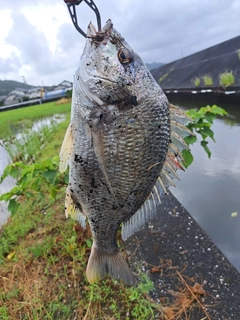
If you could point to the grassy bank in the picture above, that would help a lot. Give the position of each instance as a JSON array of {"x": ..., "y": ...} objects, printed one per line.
[
  {"x": 13, "y": 121},
  {"x": 43, "y": 260}
]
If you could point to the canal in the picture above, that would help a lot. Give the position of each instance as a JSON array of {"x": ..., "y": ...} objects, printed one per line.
[{"x": 210, "y": 188}]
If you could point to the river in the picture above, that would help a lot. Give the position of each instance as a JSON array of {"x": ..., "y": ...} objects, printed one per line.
[{"x": 210, "y": 188}]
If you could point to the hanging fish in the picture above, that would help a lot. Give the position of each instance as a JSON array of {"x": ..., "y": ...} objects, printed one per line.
[{"x": 123, "y": 146}]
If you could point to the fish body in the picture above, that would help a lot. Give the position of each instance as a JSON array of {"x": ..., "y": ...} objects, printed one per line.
[{"x": 118, "y": 147}]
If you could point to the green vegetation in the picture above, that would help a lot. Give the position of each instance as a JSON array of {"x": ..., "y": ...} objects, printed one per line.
[
  {"x": 238, "y": 53},
  {"x": 197, "y": 81},
  {"x": 207, "y": 79},
  {"x": 13, "y": 121},
  {"x": 29, "y": 146},
  {"x": 226, "y": 79},
  {"x": 201, "y": 126},
  {"x": 163, "y": 77}
]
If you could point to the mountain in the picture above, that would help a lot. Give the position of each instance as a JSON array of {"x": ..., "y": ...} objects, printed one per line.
[
  {"x": 6, "y": 86},
  {"x": 214, "y": 67},
  {"x": 154, "y": 65}
]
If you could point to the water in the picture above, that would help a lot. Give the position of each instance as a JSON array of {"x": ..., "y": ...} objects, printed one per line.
[
  {"x": 210, "y": 189},
  {"x": 8, "y": 183}
]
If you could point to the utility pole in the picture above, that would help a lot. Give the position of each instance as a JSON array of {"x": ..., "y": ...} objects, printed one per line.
[{"x": 24, "y": 81}]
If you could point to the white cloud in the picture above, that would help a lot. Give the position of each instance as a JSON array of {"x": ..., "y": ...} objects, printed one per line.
[{"x": 40, "y": 37}]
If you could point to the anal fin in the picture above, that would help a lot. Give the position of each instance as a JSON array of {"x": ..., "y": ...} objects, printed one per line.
[{"x": 72, "y": 210}]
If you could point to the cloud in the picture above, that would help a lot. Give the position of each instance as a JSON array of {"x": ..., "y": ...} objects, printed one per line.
[
  {"x": 34, "y": 50},
  {"x": 11, "y": 64},
  {"x": 158, "y": 31}
]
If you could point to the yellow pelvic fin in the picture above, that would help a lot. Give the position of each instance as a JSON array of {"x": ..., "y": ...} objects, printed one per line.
[{"x": 66, "y": 150}]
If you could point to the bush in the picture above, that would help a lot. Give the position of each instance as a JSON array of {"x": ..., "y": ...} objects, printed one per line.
[
  {"x": 226, "y": 79},
  {"x": 197, "y": 82},
  {"x": 207, "y": 80}
]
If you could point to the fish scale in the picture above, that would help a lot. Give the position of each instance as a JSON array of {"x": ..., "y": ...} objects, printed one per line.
[{"x": 118, "y": 148}]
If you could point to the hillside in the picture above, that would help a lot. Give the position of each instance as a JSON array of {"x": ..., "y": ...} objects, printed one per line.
[
  {"x": 6, "y": 86},
  {"x": 154, "y": 65},
  {"x": 193, "y": 71}
]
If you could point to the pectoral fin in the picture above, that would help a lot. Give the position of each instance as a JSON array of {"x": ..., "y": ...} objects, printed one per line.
[
  {"x": 66, "y": 150},
  {"x": 98, "y": 144}
]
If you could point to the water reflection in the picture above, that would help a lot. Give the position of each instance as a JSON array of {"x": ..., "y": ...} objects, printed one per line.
[{"x": 210, "y": 189}]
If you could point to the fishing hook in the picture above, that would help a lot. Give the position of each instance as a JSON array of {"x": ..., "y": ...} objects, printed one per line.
[{"x": 71, "y": 4}]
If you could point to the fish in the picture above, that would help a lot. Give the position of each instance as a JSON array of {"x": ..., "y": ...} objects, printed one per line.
[{"x": 123, "y": 147}]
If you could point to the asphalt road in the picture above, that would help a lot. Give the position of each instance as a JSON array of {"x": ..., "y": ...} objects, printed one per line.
[{"x": 174, "y": 251}]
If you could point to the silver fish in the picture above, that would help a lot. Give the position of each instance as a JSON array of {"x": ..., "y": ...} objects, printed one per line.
[{"x": 123, "y": 147}]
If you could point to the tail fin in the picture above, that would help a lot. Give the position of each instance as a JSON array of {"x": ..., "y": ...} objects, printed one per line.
[{"x": 101, "y": 264}]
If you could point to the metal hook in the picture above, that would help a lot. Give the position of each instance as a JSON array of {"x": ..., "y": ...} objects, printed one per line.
[{"x": 72, "y": 10}]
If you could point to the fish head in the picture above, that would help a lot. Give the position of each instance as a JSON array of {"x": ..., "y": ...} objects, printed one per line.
[{"x": 109, "y": 68}]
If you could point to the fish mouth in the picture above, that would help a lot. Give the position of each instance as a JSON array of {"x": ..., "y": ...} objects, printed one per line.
[{"x": 103, "y": 34}]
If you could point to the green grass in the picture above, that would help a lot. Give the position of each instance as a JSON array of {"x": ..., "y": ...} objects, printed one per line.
[
  {"x": 207, "y": 80},
  {"x": 13, "y": 121},
  {"x": 226, "y": 79},
  {"x": 197, "y": 82}
]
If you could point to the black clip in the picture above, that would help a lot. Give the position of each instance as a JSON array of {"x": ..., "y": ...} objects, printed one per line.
[{"x": 72, "y": 10}]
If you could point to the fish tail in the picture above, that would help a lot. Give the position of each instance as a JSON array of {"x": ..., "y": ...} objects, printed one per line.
[{"x": 101, "y": 264}]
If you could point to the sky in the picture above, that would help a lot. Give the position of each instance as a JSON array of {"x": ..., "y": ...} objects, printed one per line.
[{"x": 39, "y": 42}]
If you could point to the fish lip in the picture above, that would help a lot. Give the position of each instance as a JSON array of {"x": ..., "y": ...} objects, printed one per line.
[{"x": 99, "y": 36}]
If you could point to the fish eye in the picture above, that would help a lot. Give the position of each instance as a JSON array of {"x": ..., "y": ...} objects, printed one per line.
[{"x": 124, "y": 56}]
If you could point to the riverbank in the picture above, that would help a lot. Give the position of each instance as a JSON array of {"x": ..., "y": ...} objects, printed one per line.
[{"x": 176, "y": 254}]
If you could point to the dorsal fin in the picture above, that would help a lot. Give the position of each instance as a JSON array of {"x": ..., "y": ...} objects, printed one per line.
[{"x": 173, "y": 162}]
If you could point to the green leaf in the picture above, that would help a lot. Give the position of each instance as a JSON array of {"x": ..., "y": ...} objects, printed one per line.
[
  {"x": 50, "y": 175},
  {"x": 210, "y": 117},
  {"x": 53, "y": 193},
  {"x": 89, "y": 243},
  {"x": 13, "y": 206},
  {"x": 6, "y": 196},
  {"x": 188, "y": 158},
  {"x": 207, "y": 132},
  {"x": 217, "y": 110},
  {"x": 190, "y": 139},
  {"x": 205, "y": 147},
  {"x": 66, "y": 178}
]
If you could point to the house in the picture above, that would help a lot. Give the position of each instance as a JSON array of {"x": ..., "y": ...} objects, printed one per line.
[
  {"x": 15, "y": 96},
  {"x": 64, "y": 84},
  {"x": 35, "y": 93}
]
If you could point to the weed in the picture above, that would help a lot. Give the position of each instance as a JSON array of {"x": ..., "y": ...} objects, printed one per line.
[
  {"x": 28, "y": 147},
  {"x": 197, "y": 82},
  {"x": 163, "y": 77},
  {"x": 226, "y": 79},
  {"x": 207, "y": 79},
  {"x": 238, "y": 53}
]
